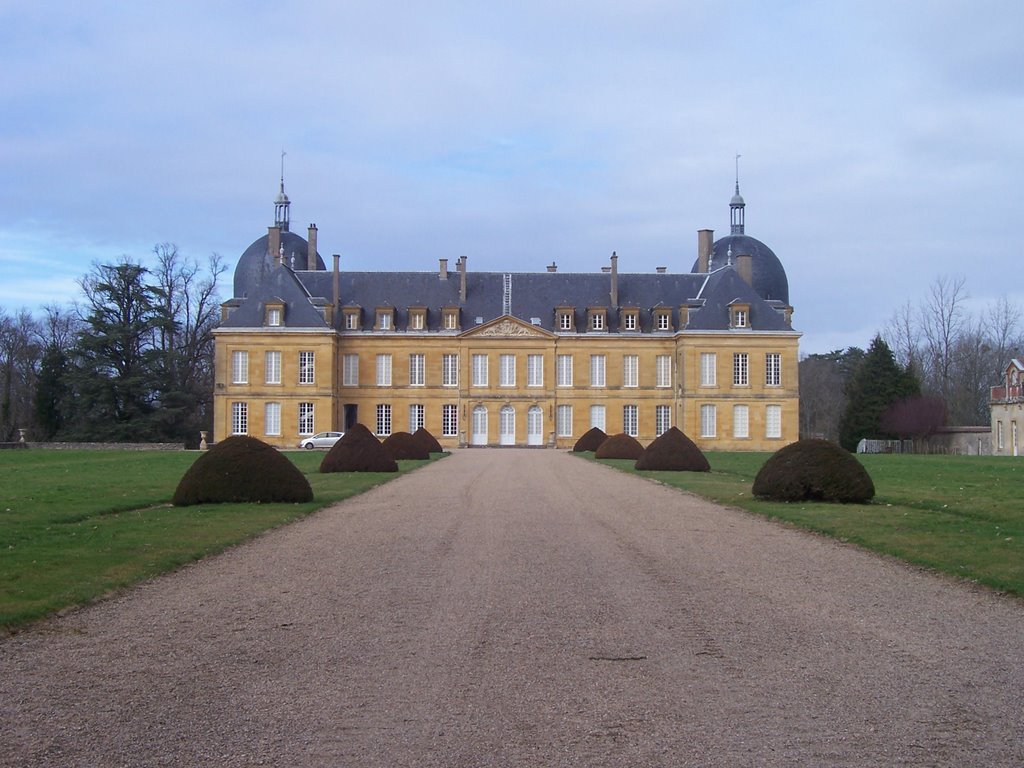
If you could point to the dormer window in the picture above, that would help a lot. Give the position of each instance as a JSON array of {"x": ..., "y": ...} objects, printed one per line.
[
  {"x": 417, "y": 318},
  {"x": 273, "y": 314},
  {"x": 597, "y": 319},
  {"x": 352, "y": 318},
  {"x": 630, "y": 320},
  {"x": 739, "y": 316},
  {"x": 385, "y": 319},
  {"x": 684, "y": 316},
  {"x": 564, "y": 318},
  {"x": 663, "y": 319},
  {"x": 450, "y": 318}
]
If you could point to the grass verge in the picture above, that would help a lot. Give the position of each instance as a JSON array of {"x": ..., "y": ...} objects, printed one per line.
[
  {"x": 77, "y": 525},
  {"x": 957, "y": 514}
]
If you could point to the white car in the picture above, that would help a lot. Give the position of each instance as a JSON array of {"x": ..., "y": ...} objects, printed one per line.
[{"x": 321, "y": 440}]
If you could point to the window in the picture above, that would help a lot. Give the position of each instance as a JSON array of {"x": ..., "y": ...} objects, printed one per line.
[
  {"x": 662, "y": 419},
  {"x": 773, "y": 421},
  {"x": 597, "y": 378},
  {"x": 708, "y": 369},
  {"x": 999, "y": 435},
  {"x": 272, "y": 419},
  {"x": 563, "y": 367},
  {"x": 663, "y": 321},
  {"x": 272, "y": 368},
  {"x": 239, "y": 418},
  {"x": 384, "y": 370},
  {"x": 451, "y": 319},
  {"x": 449, "y": 370},
  {"x": 629, "y": 321},
  {"x": 597, "y": 417},
  {"x": 597, "y": 321},
  {"x": 708, "y": 419},
  {"x": 306, "y": 419},
  {"x": 564, "y": 421},
  {"x": 307, "y": 369},
  {"x": 350, "y": 370},
  {"x": 663, "y": 370},
  {"x": 479, "y": 370},
  {"x": 565, "y": 320},
  {"x": 507, "y": 371},
  {"x": 417, "y": 363},
  {"x": 417, "y": 417},
  {"x": 629, "y": 420},
  {"x": 417, "y": 319},
  {"x": 740, "y": 369},
  {"x": 449, "y": 420},
  {"x": 739, "y": 317},
  {"x": 630, "y": 370},
  {"x": 384, "y": 319},
  {"x": 351, "y": 321},
  {"x": 535, "y": 370},
  {"x": 740, "y": 421},
  {"x": 773, "y": 369},
  {"x": 383, "y": 419},
  {"x": 239, "y": 367},
  {"x": 274, "y": 316}
]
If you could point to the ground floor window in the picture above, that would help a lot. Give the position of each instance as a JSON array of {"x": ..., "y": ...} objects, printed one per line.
[
  {"x": 662, "y": 419},
  {"x": 708, "y": 420},
  {"x": 597, "y": 417},
  {"x": 383, "y": 419},
  {"x": 239, "y": 418},
  {"x": 773, "y": 421},
  {"x": 629, "y": 420},
  {"x": 449, "y": 420},
  {"x": 306, "y": 421},
  {"x": 272, "y": 419},
  {"x": 564, "y": 425},
  {"x": 740, "y": 421},
  {"x": 999, "y": 435},
  {"x": 416, "y": 417}
]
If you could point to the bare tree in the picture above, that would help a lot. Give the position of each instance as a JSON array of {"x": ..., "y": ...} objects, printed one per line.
[
  {"x": 903, "y": 335},
  {"x": 942, "y": 321},
  {"x": 20, "y": 354}
]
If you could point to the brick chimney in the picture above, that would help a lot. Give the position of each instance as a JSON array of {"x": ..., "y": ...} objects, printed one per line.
[
  {"x": 337, "y": 280},
  {"x": 311, "y": 252},
  {"x": 443, "y": 269},
  {"x": 274, "y": 244},
  {"x": 745, "y": 267},
  {"x": 615, "y": 279},
  {"x": 705, "y": 243},
  {"x": 552, "y": 267},
  {"x": 462, "y": 279}
]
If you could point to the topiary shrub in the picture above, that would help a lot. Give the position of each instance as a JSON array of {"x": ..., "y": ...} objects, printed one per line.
[
  {"x": 675, "y": 452},
  {"x": 814, "y": 470},
  {"x": 242, "y": 468},
  {"x": 358, "y": 451},
  {"x": 620, "y": 446},
  {"x": 590, "y": 440},
  {"x": 402, "y": 445},
  {"x": 428, "y": 441}
]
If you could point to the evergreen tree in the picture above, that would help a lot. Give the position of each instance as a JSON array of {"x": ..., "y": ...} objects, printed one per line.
[
  {"x": 878, "y": 383},
  {"x": 51, "y": 402}
]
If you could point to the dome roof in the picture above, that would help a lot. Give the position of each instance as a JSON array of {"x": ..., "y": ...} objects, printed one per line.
[
  {"x": 770, "y": 279},
  {"x": 256, "y": 261}
]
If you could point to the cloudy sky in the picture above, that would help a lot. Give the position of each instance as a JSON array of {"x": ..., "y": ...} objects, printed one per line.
[{"x": 880, "y": 141}]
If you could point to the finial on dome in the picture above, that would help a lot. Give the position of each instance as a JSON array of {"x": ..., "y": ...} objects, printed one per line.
[
  {"x": 736, "y": 205},
  {"x": 282, "y": 204}
]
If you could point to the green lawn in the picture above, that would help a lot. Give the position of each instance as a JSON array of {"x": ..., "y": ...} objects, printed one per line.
[
  {"x": 957, "y": 514},
  {"x": 76, "y": 525}
]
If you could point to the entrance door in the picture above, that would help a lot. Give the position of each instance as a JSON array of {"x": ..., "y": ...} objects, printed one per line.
[
  {"x": 507, "y": 431},
  {"x": 535, "y": 426},
  {"x": 478, "y": 436}
]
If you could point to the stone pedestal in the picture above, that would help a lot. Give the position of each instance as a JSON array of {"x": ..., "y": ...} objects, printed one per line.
[{"x": 202, "y": 441}]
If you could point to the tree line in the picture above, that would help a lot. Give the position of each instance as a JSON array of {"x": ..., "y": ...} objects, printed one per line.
[
  {"x": 130, "y": 360},
  {"x": 931, "y": 366}
]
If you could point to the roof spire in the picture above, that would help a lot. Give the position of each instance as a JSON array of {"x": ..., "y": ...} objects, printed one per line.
[
  {"x": 736, "y": 205},
  {"x": 282, "y": 203}
]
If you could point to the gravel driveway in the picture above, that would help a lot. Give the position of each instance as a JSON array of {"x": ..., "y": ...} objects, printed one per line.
[{"x": 525, "y": 608}]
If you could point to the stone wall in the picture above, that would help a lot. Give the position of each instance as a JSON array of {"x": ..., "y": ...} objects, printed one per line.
[{"x": 109, "y": 446}]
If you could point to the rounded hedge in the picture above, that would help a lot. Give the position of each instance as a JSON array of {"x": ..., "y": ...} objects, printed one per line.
[
  {"x": 242, "y": 469},
  {"x": 590, "y": 440},
  {"x": 814, "y": 470},
  {"x": 620, "y": 446},
  {"x": 358, "y": 451},
  {"x": 428, "y": 441},
  {"x": 402, "y": 445},
  {"x": 675, "y": 452}
]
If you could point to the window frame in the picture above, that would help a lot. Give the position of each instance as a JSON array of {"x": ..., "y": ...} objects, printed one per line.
[
  {"x": 307, "y": 367},
  {"x": 773, "y": 369},
  {"x": 662, "y": 419},
  {"x": 741, "y": 369},
  {"x": 631, "y": 371},
  {"x": 239, "y": 417},
  {"x": 631, "y": 419},
  {"x": 272, "y": 419},
  {"x": 272, "y": 366},
  {"x": 384, "y": 369},
  {"x": 741, "y": 421},
  {"x": 307, "y": 418},
  {"x": 384, "y": 422},
  {"x": 506, "y": 370},
  {"x": 417, "y": 369},
  {"x": 708, "y": 420},
  {"x": 563, "y": 420},
  {"x": 564, "y": 370},
  {"x": 449, "y": 420},
  {"x": 350, "y": 370},
  {"x": 240, "y": 366},
  {"x": 709, "y": 369},
  {"x": 598, "y": 371},
  {"x": 480, "y": 370},
  {"x": 449, "y": 369},
  {"x": 663, "y": 371},
  {"x": 534, "y": 370}
]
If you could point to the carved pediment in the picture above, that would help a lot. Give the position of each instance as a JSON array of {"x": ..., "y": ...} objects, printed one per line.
[{"x": 508, "y": 327}]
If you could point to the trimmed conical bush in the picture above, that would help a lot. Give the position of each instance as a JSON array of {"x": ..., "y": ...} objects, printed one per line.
[
  {"x": 241, "y": 469},
  {"x": 814, "y": 470},
  {"x": 675, "y": 452},
  {"x": 358, "y": 451},
  {"x": 402, "y": 445},
  {"x": 590, "y": 440},
  {"x": 620, "y": 446},
  {"x": 428, "y": 441}
]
